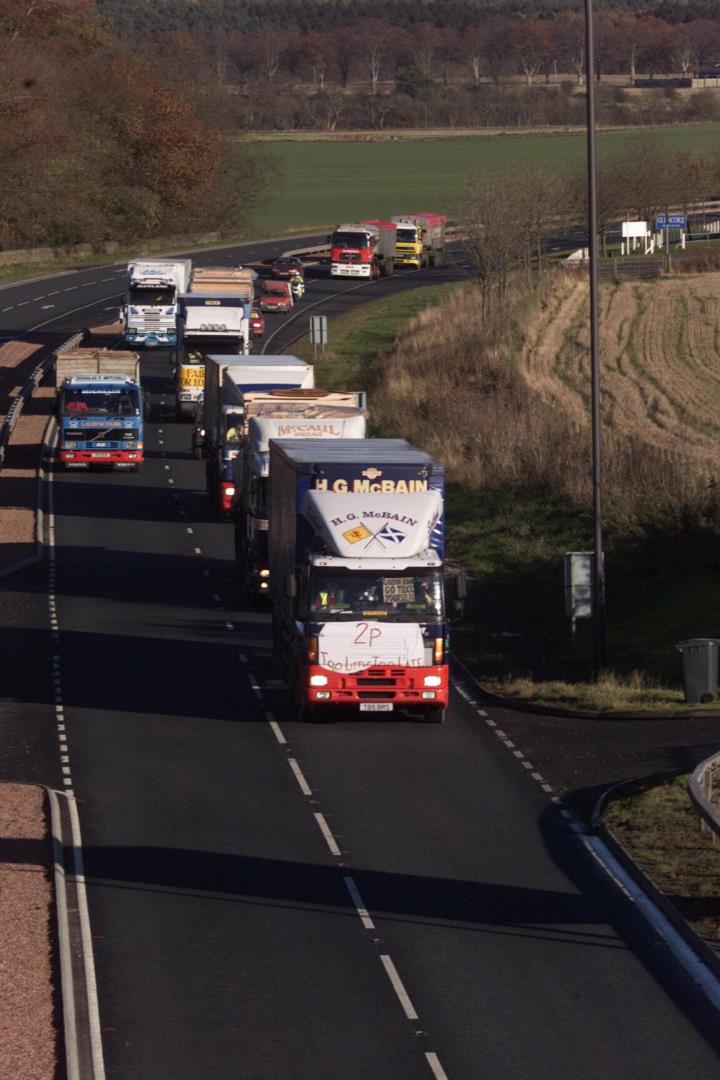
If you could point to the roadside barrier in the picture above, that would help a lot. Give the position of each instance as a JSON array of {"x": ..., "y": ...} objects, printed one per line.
[
  {"x": 16, "y": 408},
  {"x": 700, "y": 790}
]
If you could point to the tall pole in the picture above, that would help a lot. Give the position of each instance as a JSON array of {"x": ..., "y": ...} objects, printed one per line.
[{"x": 598, "y": 571}]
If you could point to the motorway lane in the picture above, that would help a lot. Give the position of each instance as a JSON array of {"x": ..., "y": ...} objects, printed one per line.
[{"x": 228, "y": 945}]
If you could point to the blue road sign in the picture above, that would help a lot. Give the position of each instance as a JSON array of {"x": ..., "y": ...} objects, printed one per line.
[{"x": 672, "y": 221}]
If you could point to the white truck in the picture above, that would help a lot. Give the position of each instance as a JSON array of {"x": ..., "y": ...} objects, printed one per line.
[
  {"x": 150, "y": 310},
  {"x": 227, "y": 382},
  {"x": 299, "y": 414},
  {"x": 215, "y": 318}
]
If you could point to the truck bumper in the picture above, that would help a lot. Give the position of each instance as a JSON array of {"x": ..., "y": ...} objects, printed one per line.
[
  {"x": 408, "y": 260},
  {"x": 350, "y": 270},
  {"x": 403, "y": 687},
  {"x": 118, "y": 458},
  {"x": 152, "y": 340}
]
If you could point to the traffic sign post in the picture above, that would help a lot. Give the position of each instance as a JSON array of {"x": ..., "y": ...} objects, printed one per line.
[{"x": 318, "y": 331}]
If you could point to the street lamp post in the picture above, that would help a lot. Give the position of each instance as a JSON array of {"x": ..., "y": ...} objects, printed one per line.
[{"x": 598, "y": 572}]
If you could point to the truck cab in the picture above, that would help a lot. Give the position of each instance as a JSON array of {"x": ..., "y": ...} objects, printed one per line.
[{"x": 100, "y": 418}]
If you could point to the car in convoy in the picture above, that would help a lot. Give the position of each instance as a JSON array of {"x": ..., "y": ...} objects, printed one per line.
[
  {"x": 276, "y": 296},
  {"x": 257, "y": 323},
  {"x": 287, "y": 266}
]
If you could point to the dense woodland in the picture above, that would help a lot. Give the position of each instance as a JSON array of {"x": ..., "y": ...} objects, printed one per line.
[
  {"x": 309, "y": 64},
  {"x": 96, "y": 144}
]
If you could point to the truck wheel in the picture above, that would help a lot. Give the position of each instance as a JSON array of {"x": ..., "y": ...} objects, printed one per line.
[{"x": 434, "y": 715}]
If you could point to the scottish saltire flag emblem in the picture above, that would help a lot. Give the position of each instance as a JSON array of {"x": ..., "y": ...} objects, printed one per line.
[{"x": 391, "y": 533}]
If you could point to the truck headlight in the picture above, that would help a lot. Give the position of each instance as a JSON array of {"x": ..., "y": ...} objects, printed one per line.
[
  {"x": 432, "y": 680},
  {"x": 264, "y": 573},
  {"x": 318, "y": 680},
  {"x": 230, "y": 490}
]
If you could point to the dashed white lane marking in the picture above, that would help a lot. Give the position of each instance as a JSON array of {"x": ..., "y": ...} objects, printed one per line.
[
  {"x": 398, "y": 987},
  {"x": 229, "y": 626},
  {"x": 435, "y": 1067},
  {"x": 197, "y": 550},
  {"x": 325, "y": 830},
  {"x": 276, "y": 729},
  {"x": 166, "y": 466},
  {"x": 189, "y": 530},
  {"x": 298, "y": 774},
  {"x": 358, "y": 903},
  {"x": 170, "y": 480}
]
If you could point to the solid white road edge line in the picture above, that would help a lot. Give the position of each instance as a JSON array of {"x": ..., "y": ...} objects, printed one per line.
[
  {"x": 67, "y": 988},
  {"x": 88, "y": 957},
  {"x": 683, "y": 952}
]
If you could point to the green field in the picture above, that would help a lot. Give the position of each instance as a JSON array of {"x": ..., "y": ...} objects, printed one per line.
[{"x": 326, "y": 182}]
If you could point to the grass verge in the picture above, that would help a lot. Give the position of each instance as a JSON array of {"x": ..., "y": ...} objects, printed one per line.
[
  {"x": 658, "y": 827},
  {"x": 515, "y": 633}
]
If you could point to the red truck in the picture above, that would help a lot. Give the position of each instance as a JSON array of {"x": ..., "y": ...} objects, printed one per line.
[{"x": 366, "y": 249}]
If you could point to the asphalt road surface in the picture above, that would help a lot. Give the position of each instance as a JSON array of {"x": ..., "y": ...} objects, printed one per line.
[{"x": 367, "y": 900}]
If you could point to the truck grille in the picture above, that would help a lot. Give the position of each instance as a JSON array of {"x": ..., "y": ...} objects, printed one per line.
[
  {"x": 381, "y": 695},
  {"x": 376, "y": 682},
  {"x": 104, "y": 433}
]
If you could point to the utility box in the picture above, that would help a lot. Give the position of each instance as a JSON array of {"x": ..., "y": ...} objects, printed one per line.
[{"x": 700, "y": 669}]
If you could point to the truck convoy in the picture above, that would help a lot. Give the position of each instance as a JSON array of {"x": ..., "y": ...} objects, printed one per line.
[
  {"x": 356, "y": 575},
  {"x": 227, "y": 382},
  {"x": 420, "y": 240},
  {"x": 151, "y": 304},
  {"x": 99, "y": 409},
  {"x": 363, "y": 250},
  {"x": 215, "y": 318},
  {"x": 281, "y": 414}
]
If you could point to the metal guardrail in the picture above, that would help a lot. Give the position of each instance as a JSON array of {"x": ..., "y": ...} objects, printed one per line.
[
  {"x": 16, "y": 408},
  {"x": 700, "y": 790}
]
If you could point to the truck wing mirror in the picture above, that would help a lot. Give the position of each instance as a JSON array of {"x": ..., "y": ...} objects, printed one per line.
[
  {"x": 291, "y": 585},
  {"x": 456, "y": 591}
]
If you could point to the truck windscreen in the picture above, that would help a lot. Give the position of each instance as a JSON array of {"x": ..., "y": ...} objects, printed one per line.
[
  {"x": 80, "y": 401},
  {"x": 350, "y": 239},
  {"x": 406, "y": 236},
  {"x": 408, "y": 596},
  {"x": 154, "y": 297}
]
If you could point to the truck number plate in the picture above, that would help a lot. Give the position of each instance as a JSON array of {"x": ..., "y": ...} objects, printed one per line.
[
  {"x": 96, "y": 454},
  {"x": 376, "y": 706}
]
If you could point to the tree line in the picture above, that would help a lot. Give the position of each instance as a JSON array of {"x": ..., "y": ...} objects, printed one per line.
[{"x": 335, "y": 42}]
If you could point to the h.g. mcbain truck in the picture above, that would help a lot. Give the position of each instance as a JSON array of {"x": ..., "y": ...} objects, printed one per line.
[
  {"x": 214, "y": 318},
  {"x": 151, "y": 304},
  {"x": 99, "y": 409},
  {"x": 420, "y": 240},
  {"x": 356, "y": 575},
  {"x": 227, "y": 380},
  {"x": 281, "y": 414},
  {"x": 366, "y": 249}
]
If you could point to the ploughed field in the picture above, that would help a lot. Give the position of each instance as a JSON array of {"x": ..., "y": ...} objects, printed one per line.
[{"x": 660, "y": 354}]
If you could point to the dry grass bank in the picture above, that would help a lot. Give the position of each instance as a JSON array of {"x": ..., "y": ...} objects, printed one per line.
[{"x": 505, "y": 402}]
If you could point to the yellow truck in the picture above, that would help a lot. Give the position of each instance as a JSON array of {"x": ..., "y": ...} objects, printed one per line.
[{"x": 420, "y": 240}]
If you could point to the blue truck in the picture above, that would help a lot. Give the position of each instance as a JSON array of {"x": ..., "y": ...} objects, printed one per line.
[{"x": 100, "y": 409}]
